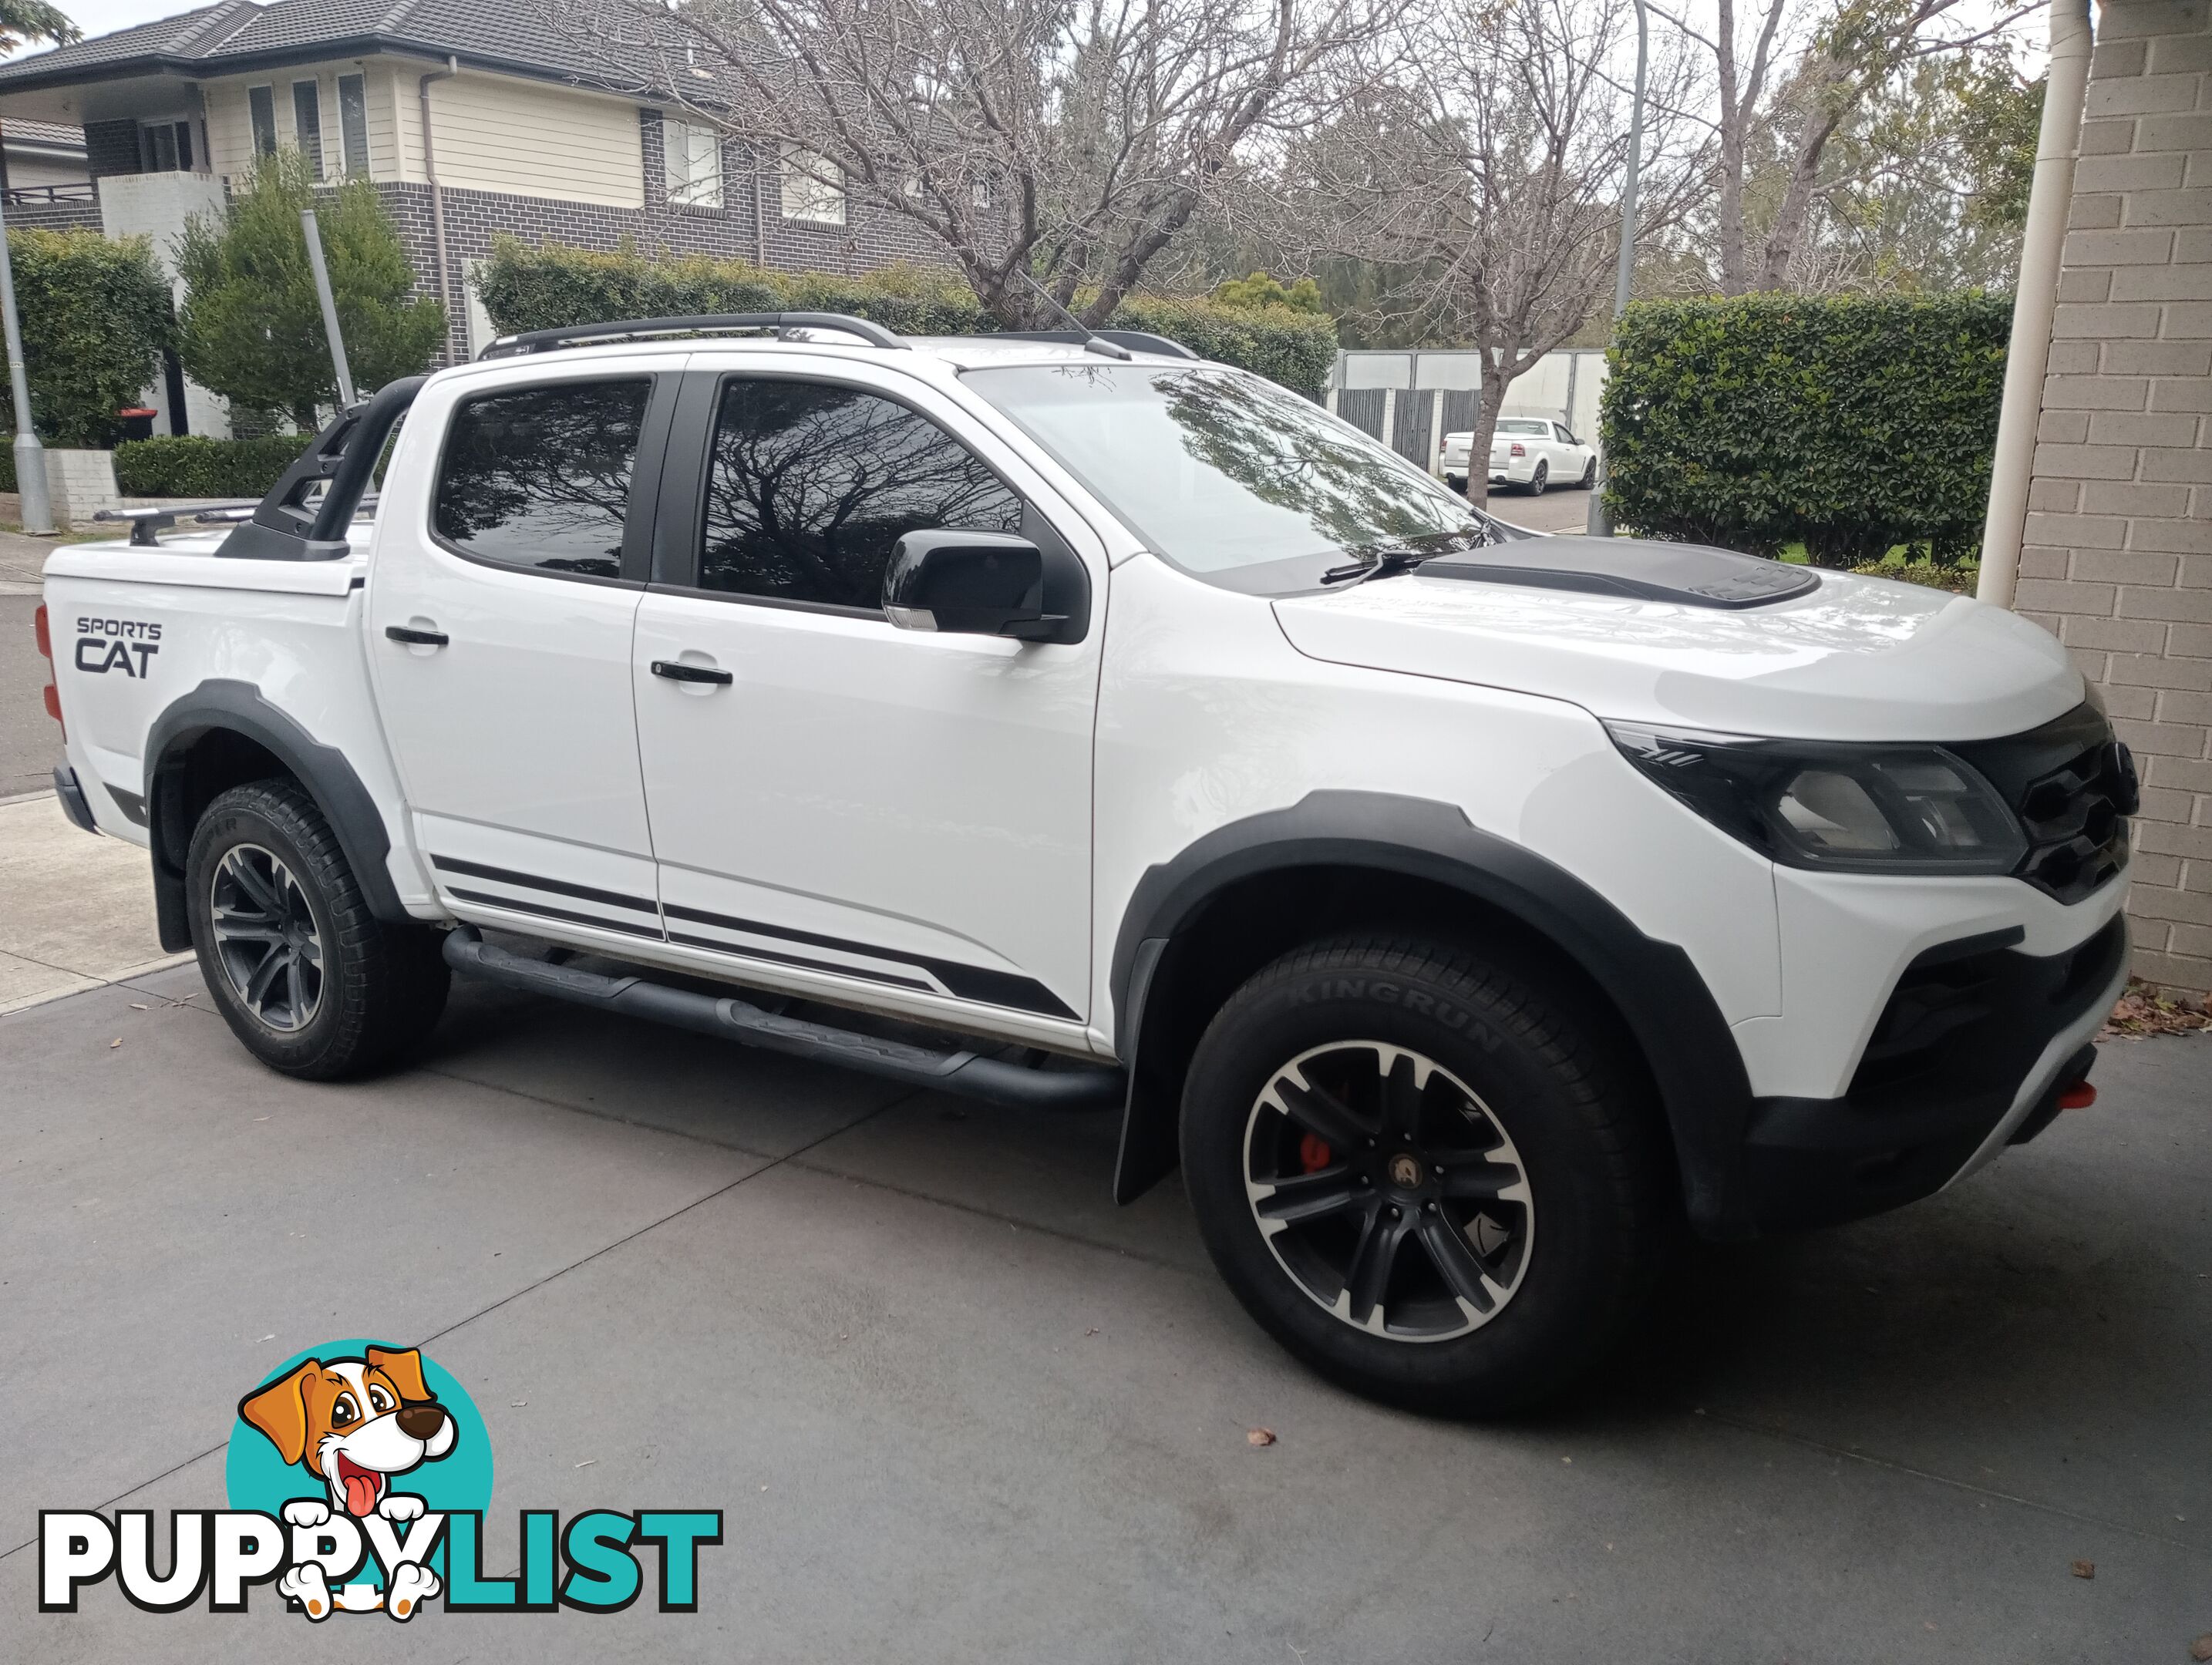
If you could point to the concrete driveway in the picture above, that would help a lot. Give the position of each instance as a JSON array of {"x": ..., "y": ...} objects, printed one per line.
[{"x": 957, "y": 1407}]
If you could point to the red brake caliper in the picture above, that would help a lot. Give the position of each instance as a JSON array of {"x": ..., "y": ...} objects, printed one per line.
[{"x": 1313, "y": 1152}]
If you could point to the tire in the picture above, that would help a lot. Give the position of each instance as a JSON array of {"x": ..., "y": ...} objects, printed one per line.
[
  {"x": 1588, "y": 482},
  {"x": 1565, "y": 1219},
  {"x": 1540, "y": 479},
  {"x": 337, "y": 991}
]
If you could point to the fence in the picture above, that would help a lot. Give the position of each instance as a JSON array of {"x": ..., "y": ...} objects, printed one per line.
[{"x": 1411, "y": 399}]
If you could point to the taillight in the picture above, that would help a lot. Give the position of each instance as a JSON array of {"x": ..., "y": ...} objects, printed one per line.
[
  {"x": 1519, "y": 450},
  {"x": 46, "y": 650}
]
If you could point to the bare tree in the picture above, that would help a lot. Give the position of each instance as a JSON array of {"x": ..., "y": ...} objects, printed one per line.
[
  {"x": 1787, "y": 78},
  {"x": 1489, "y": 182},
  {"x": 1069, "y": 141}
]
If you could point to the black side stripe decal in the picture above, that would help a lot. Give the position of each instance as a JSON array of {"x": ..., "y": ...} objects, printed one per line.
[
  {"x": 747, "y": 952},
  {"x": 521, "y": 907},
  {"x": 970, "y": 982},
  {"x": 448, "y": 864},
  {"x": 966, "y": 983}
]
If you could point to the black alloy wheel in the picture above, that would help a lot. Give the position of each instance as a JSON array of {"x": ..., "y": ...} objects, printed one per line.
[
  {"x": 266, "y": 939},
  {"x": 1387, "y": 1192}
]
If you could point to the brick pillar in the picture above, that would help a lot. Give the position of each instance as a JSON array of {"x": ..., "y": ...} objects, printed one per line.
[{"x": 2117, "y": 557}]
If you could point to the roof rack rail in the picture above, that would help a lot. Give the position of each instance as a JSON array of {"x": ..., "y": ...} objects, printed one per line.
[
  {"x": 1137, "y": 341},
  {"x": 537, "y": 341}
]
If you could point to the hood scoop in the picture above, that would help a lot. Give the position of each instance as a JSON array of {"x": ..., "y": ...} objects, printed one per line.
[{"x": 1643, "y": 569}]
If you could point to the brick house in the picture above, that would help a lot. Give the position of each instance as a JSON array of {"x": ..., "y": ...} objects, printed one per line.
[
  {"x": 2116, "y": 554},
  {"x": 468, "y": 113}
]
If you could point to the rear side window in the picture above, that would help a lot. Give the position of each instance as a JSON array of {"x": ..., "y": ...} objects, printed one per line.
[
  {"x": 540, "y": 476},
  {"x": 810, "y": 484}
]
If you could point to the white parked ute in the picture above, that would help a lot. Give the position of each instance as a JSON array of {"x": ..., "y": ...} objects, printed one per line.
[
  {"x": 1532, "y": 453},
  {"x": 1077, "y": 724}
]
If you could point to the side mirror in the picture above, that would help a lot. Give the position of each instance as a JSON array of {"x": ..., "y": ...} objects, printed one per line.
[{"x": 969, "y": 583}]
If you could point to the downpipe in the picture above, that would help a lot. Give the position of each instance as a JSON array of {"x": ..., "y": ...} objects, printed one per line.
[
  {"x": 1081, "y": 1087},
  {"x": 2035, "y": 300}
]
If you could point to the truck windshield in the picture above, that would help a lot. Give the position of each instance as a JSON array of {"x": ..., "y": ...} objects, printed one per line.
[{"x": 1218, "y": 470}]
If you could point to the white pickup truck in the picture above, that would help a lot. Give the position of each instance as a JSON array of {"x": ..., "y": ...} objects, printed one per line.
[{"x": 1464, "y": 910}]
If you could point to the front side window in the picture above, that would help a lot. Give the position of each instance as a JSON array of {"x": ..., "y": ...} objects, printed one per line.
[
  {"x": 693, "y": 159},
  {"x": 540, "y": 476},
  {"x": 810, "y": 484},
  {"x": 307, "y": 122},
  {"x": 1218, "y": 470},
  {"x": 261, "y": 115},
  {"x": 813, "y": 188},
  {"x": 353, "y": 123}
]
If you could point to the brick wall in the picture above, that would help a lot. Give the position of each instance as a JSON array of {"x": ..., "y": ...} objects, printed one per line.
[
  {"x": 111, "y": 147},
  {"x": 870, "y": 239},
  {"x": 2117, "y": 558},
  {"x": 69, "y": 213}
]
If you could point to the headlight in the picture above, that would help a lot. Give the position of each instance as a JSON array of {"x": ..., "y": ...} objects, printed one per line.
[{"x": 1843, "y": 808}]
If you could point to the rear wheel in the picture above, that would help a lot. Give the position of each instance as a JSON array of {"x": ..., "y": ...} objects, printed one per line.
[
  {"x": 1421, "y": 1175},
  {"x": 1540, "y": 479},
  {"x": 311, "y": 981},
  {"x": 1589, "y": 473}
]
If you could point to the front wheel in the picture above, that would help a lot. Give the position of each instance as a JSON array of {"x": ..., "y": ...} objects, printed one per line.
[
  {"x": 311, "y": 981},
  {"x": 1421, "y": 1175},
  {"x": 1540, "y": 479}
]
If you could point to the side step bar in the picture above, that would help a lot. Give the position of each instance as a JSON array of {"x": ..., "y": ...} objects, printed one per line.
[{"x": 1082, "y": 1087}]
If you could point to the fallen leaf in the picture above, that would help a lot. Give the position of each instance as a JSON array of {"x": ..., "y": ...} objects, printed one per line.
[
  {"x": 115, "y": 1042},
  {"x": 587, "y": 1462},
  {"x": 2200, "y": 1649},
  {"x": 516, "y": 1404},
  {"x": 1093, "y": 1330},
  {"x": 2085, "y": 1569},
  {"x": 138, "y": 1005},
  {"x": 1261, "y": 1436}
]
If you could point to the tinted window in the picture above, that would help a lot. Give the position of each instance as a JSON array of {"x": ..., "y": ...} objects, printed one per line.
[
  {"x": 540, "y": 476},
  {"x": 811, "y": 484}
]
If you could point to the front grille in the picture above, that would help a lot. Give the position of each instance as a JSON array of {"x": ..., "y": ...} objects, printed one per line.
[{"x": 2073, "y": 787}]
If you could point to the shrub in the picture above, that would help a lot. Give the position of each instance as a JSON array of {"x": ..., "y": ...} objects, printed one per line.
[
  {"x": 252, "y": 328},
  {"x": 191, "y": 465},
  {"x": 95, "y": 318},
  {"x": 539, "y": 288},
  {"x": 1850, "y": 423}
]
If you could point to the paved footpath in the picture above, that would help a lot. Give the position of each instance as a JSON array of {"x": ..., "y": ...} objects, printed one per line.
[{"x": 75, "y": 910}]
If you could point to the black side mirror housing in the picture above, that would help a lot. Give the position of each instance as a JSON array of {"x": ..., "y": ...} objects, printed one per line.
[{"x": 969, "y": 583}]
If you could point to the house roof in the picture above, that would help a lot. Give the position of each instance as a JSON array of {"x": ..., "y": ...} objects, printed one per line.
[
  {"x": 241, "y": 35},
  {"x": 56, "y": 135}
]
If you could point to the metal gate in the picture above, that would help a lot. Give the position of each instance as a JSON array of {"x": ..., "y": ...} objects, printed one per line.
[
  {"x": 1363, "y": 408},
  {"x": 1416, "y": 412},
  {"x": 1461, "y": 405}
]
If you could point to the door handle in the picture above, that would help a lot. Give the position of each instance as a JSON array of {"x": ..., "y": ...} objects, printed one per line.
[
  {"x": 416, "y": 638},
  {"x": 675, "y": 670}
]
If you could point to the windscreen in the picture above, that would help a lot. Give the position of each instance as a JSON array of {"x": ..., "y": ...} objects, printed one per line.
[{"x": 1216, "y": 470}]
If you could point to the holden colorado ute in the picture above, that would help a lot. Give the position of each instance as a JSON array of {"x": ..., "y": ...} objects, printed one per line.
[{"x": 1063, "y": 720}]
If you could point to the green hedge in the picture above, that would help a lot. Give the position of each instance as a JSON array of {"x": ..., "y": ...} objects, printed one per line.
[
  {"x": 1849, "y": 424},
  {"x": 190, "y": 466},
  {"x": 525, "y": 287},
  {"x": 96, "y": 317}
]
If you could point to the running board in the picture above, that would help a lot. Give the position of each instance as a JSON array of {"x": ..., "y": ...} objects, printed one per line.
[{"x": 1084, "y": 1087}]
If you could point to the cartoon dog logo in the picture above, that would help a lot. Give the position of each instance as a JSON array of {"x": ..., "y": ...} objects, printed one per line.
[{"x": 355, "y": 1424}]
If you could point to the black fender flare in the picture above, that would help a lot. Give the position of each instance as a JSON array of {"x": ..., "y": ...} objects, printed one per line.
[
  {"x": 1670, "y": 1013},
  {"x": 240, "y": 707}
]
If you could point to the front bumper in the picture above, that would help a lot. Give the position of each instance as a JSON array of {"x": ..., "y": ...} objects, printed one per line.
[{"x": 1976, "y": 1042}]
